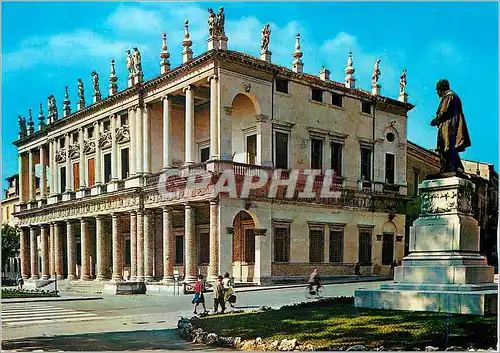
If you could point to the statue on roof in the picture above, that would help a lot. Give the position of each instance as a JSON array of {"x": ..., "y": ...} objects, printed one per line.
[
  {"x": 80, "y": 90},
  {"x": 130, "y": 63},
  {"x": 95, "y": 83},
  {"x": 212, "y": 23},
  {"x": 137, "y": 61},
  {"x": 266, "y": 34},
  {"x": 376, "y": 73},
  {"x": 53, "y": 113},
  {"x": 221, "y": 19},
  {"x": 22, "y": 127},
  {"x": 402, "y": 83}
]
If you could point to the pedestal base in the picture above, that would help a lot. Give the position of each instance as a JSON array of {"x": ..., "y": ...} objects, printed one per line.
[
  {"x": 122, "y": 287},
  {"x": 475, "y": 302}
]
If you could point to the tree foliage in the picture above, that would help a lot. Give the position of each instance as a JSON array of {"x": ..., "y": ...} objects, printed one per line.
[{"x": 10, "y": 243}]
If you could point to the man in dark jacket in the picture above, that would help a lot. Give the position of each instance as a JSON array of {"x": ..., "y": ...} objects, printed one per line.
[{"x": 453, "y": 136}]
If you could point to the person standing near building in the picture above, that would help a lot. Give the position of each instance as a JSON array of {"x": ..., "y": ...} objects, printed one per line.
[
  {"x": 20, "y": 283},
  {"x": 228, "y": 290},
  {"x": 219, "y": 296},
  {"x": 199, "y": 298},
  {"x": 357, "y": 270}
]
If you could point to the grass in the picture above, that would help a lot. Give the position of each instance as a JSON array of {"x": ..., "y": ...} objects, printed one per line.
[
  {"x": 15, "y": 293},
  {"x": 340, "y": 325}
]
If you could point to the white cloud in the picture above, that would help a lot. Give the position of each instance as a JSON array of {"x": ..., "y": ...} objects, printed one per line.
[{"x": 135, "y": 19}]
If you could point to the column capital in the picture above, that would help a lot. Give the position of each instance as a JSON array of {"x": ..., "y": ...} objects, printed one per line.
[
  {"x": 166, "y": 97},
  {"x": 187, "y": 88},
  {"x": 44, "y": 226},
  {"x": 100, "y": 216},
  {"x": 148, "y": 211},
  {"x": 167, "y": 209},
  {"x": 188, "y": 205},
  {"x": 214, "y": 201},
  {"x": 71, "y": 221},
  {"x": 212, "y": 77},
  {"x": 33, "y": 226},
  {"x": 116, "y": 214},
  {"x": 133, "y": 212},
  {"x": 130, "y": 109},
  {"x": 113, "y": 116}
]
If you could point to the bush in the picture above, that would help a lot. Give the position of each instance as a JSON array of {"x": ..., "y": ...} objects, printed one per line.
[{"x": 27, "y": 293}]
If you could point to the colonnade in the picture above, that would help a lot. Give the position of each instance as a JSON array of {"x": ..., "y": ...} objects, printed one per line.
[{"x": 141, "y": 250}]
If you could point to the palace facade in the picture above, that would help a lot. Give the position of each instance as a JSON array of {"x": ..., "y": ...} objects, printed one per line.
[{"x": 107, "y": 216}]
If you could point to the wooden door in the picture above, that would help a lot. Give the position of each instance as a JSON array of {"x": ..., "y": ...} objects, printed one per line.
[
  {"x": 76, "y": 176},
  {"x": 91, "y": 172}
]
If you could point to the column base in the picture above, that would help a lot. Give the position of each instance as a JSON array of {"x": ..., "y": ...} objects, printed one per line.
[
  {"x": 35, "y": 277},
  {"x": 133, "y": 278},
  {"x": 100, "y": 278},
  {"x": 72, "y": 278},
  {"x": 85, "y": 278},
  {"x": 25, "y": 276},
  {"x": 148, "y": 278},
  {"x": 139, "y": 278},
  {"x": 45, "y": 277},
  {"x": 59, "y": 277},
  {"x": 167, "y": 280}
]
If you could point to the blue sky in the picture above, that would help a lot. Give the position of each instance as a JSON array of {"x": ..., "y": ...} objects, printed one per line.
[{"x": 46, "y": 46}]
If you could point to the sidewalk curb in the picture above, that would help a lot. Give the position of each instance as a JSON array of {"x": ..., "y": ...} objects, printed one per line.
[{"x": 55, "y": 299}]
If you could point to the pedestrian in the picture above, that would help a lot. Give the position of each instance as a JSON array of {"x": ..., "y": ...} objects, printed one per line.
[
  {"x": 20, "y": 283},
  {"x": 357, "y": 270},
  {"x": 393, "y": 265},
  {"x": 219, "y": 295},
  {"x": 228, "y": 290},
  {"x": 199, "y": 298}
]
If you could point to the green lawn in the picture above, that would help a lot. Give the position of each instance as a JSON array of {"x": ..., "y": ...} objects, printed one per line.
[{"x": 342, "y": 325}]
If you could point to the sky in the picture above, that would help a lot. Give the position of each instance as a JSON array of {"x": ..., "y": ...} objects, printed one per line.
[{"x": 47, "y": 46}]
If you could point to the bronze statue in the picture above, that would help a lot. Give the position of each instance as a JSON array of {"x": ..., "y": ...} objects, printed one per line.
[{"x": 453, "y": 136}]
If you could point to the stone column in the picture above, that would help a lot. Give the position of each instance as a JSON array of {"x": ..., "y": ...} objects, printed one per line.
[
  {"x": 102, "y": 254},
  {"x": 51, "y": 250},
  {"x": 58, "y": 248},
  {"x": 20, "y": 180},
  {"x": 43, "y": 172},
  {"x": 133, "y": 245},
  {"x": 114, "y": 149},
  {"x": 82, "y": 167},
  {"x": 133, "y": 148},
  {"x": 86, "y": 249},
  {"x": 117, "y": 249},
  {"x": 97, "y": 163},
  {"x": 140, "y": 245},
  {"x": 44, "y": 236},
  {"x": 139, "y": 143},
  {"x": 31, "y": 176},
  {"x": 33, "y": 253},
  {"x": 190, "y": 248},
  {"x": 55, "y": 148},
  {"x": 168, "y": 246},
  {"x": 147, "y": 139},
  {"x": 167, "y": 158},
  {"x": 71, "y": 249},
  {"x": 213, "y": 268},
  {"x": 189, "y": 128},
  {"x": 214, "y": 118},
  {"x": 148, "y": 245},
  {"x": 24, "y": 243},
  {"x": 69, "y": 172},
  {"x": 51, "y": 166}
]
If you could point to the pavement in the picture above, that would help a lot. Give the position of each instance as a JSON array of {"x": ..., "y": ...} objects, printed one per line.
[{"x": 131, "y": 322}]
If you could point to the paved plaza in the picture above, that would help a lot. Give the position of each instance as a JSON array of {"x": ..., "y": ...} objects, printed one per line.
[{"x": 127, "y": 322}]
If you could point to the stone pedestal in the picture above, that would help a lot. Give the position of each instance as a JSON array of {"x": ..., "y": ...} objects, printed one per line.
[
  {"x": 223, "y": 42},
  {"x": 212, "y": 43},
  {"x": 444, "y": 271},
  {"x": 265, "y": 55}
]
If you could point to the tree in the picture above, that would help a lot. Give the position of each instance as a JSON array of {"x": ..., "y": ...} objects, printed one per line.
[{"x": 10, "y": 243}]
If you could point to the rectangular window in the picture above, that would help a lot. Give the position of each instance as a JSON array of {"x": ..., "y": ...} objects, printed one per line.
[
  {"x": 281, "y": 151},
  {"x": 125, "y": 166},
  {"x": 389, "y": 168},
  {"x": 62, "y": 141},
  {"x": 76, "y": 176},
  {"x": 203, "y": 248},
  {"x": 316, "y": 154},
  {"x": 90, "y": 131},
  {"x": 107, "y": 167},
  {"x": 281, "y": 85},
  {"x": 316, "y": 95},
  {"x": 106, "y": 125},
  {"x": 316, "y": 245},
  {"x": 204, "y": 154},
  {"x": 415, "y": 181},
  {"x": 127, "y": 252},
  {"x": 336, "y": 158},
  {"x": 79, "y": 254},
  {"x": 387, "y": 248},
  {"x": 91, "y": 172},
  {"x": 365, "y": 246},
  {"x": 124, "y": 119},
  {"x": 366, "y": 107},
  {"x": 250, "y": 245},
  {"x": 179, "y": 250},
  {"x": 63, "y": 179},
  {"x": 336, "y": 245},
  {"x": 366, "y": 172},
  {"x": 75, "y": 137},
  {"x": 336, "y": 99},
  {"x": 251, "y": 149},
  {"x": 282, "y": 243}
]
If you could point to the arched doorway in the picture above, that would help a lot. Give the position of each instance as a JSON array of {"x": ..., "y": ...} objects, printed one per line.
[
  {"x": 243, "y": 127},
  {"x": 243, "y": 247}
]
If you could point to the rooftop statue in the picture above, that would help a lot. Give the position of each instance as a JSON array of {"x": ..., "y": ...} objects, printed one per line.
[
  {"x": 453, "y": 135},
  {"x": 137, "y": 61},
  {"x": 95, "y": 83},
  {"x": 376, "y": 73},
  {"x": 80, "y": 90},
  {"x": 221, "y": 19},
  {"x": 212, "y": 23},
  {"x": 53, "y": 106},
  {"x": 266, "y": 34},
  {"x": 130, "y": 63},
  {"x": 23, "y": 132},
  {"x": 402, "y": 83}
]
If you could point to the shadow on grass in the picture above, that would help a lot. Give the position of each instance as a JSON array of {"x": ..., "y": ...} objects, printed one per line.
[
  {"x": 106, "y": 341},
  {"x": 344, "y": 325}
]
